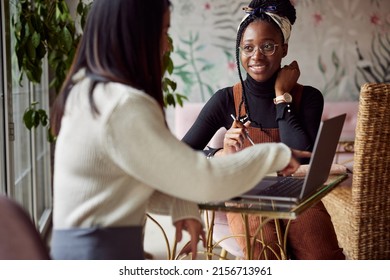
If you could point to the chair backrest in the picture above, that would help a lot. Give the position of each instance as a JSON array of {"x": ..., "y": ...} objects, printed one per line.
[
  {"x": 335, "y": 108},
  {"x": 19, "y": 239},
  {"x": 186, "y": 115},
  {"x": 371, "y": 178}
]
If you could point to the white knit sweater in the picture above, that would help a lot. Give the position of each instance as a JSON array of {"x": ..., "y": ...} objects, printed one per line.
[{"x": 111, "y": 168}]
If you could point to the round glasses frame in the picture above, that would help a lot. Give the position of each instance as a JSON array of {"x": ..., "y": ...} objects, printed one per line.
[{"x": 261, "y": 48}]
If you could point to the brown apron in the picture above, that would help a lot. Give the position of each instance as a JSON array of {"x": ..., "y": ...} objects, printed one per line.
[
  {"x": 311, "y": 236},
  {"x": 265, "y": 135},
  {"x": 258, "y": 135}
]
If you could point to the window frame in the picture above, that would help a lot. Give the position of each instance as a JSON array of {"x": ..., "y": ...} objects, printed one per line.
[{"x": 27, "y": 154}]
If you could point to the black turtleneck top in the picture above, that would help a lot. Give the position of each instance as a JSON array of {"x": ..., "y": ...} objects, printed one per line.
[{"x": 297, "y": 129}]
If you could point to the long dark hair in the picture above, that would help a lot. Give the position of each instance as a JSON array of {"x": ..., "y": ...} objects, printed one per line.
[
  {"x": 283, "y": 8},
  {"x": 121, "y": 43}
]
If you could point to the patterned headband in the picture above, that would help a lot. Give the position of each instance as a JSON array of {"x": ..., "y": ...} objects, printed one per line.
[{"x": 283, "y": 22}]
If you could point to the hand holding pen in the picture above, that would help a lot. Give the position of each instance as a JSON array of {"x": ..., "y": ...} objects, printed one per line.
[
  {"x": 246, "y": 131},
  {"x": 234, "y": 137}
]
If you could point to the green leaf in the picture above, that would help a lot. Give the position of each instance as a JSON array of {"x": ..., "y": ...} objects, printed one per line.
[
  {"x": 31, "y": 50},
  {"x": 201, "y": 47},
  {"x": 196, "y": 37},
  {"x": 201, "y": 59},
  {"x": 28, "y": 118},
  {"x": 20, "y": 52},
  {"x": 36, "y": 22},
  {"x": 172, "y": 84},
  {"x": 229, "y": 55},
  {"x": 17, "y": 25},
  {"x": 171, "y": 100},
  {"x": 33, "y": 76},
  {"x": 43, "y": 117},
  {"x": 207, "y": 67},
  {"x": 40, "y": 51},
  {"x": 210, "y": 89},
  {"x": 186, "y": 42},
  {"x": 53, "y": 82},
  {"x": 33, "y": 70},
  {"x": 52, "y": 58},
  {"x": 165, "y": 85},
  {"x": 180, "y": 98},
  {"x": 36, "y": 119},
  {"x": 35, "y": 39},
  {"x": 187, "y": 79},
  {"x": 170, "y": 66},
  {"x": 185, "y": 76},
  {"x": 165, "y": 63},
  {"x": 58, "y": 13},
  {"x": 27, "y": 32},
  {"x": 182, "y": 54},
  {"x": 321, "y": 65},
  {"x": 67, "y": 39},
  {"x": 335, "y": 60},
  {"x": 80, "y": 7},
  {"x": 180, "y": 67}
]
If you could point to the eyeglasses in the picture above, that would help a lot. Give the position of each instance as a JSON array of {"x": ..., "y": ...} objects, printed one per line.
[{"x": 266, "y": 49}]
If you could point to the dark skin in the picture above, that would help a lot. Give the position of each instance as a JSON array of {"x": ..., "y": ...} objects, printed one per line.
[{"x": 261, "y": 68}]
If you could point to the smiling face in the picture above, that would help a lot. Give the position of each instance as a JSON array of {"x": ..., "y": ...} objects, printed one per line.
[{"x": 259, "y": 66}]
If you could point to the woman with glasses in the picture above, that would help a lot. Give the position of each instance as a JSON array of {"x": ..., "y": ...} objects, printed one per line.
[
  {"x": 115, "y": 157},
  {"x": 269, "y": 106}
]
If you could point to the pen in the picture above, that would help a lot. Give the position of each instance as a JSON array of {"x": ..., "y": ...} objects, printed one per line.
[{"x": 246, "y": 131}]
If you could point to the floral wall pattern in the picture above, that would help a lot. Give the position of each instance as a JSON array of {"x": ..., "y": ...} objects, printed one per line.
[{"x": 339, "y": 45}]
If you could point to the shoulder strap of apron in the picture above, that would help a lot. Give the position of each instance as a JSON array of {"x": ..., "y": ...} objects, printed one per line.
[{"x": 296, "y": 93}]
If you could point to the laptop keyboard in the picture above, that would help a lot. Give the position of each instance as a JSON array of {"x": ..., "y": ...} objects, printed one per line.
[{"x": 288, "y": 186}]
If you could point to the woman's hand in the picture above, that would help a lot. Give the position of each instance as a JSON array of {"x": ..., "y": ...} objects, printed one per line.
[
  {"x": 287, "y": 78},
  {"x": 293, "y": 165},
  {"x": 195, "y": 229},
  {"x": 234, "y": 138}
]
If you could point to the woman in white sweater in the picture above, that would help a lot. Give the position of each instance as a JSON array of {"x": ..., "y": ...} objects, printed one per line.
[{"x": 115, "y": 158}]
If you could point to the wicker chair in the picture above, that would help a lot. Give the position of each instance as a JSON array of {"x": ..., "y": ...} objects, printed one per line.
[{"x": 361, "y": 213}]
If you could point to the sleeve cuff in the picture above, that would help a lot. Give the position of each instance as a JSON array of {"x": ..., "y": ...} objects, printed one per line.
[
  {"x": 210, "y": 152},
  {"x": 281, "y": 109},
  {"x": 183, "y": 209}
]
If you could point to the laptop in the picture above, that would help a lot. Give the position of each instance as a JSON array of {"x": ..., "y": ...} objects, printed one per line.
[{"x": 292, "y": 189}]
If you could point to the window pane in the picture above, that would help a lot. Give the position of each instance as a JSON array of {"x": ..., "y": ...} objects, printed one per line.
[
  {"x": 22, "y": 146},
  {"x": 42, "y": 151},
  {"x": 31, "y": 151}
]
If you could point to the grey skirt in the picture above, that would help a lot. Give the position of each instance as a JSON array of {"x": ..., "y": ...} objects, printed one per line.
[{"x": 119, "y": 243}]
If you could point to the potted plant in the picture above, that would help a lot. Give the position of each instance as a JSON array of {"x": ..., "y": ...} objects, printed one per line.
[{"x": 47, "y": 28}]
